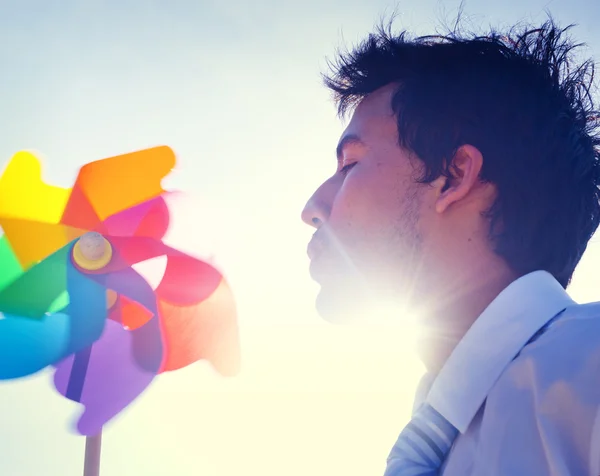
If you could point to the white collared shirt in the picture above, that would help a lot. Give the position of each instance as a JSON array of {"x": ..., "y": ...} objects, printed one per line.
[{"x": 525, "y": 407}]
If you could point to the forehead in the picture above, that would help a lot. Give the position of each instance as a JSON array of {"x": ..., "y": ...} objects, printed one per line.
[{"x": 374, "y": 114}]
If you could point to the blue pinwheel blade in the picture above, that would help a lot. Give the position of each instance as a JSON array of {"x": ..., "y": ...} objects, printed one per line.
[{"x": 28, "y": 345}]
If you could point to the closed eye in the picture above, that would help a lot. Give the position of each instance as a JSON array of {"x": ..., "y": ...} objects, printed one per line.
[{"x": 346, "y": 168}]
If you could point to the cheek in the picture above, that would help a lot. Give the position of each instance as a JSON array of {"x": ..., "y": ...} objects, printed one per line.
[
  {"x": 364, "y": 204},
  {"x": 362, "y": 219}
]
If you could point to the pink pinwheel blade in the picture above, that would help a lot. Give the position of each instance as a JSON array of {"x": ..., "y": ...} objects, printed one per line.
[
  {"x": 188, "y": 281},
  {"x": 149, "y": 219}
]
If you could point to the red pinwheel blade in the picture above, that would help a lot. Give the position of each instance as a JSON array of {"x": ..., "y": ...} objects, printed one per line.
[
  {"x": 207, "y": 330},
  {"x": 195, "y": 304},
  {"x": 198, "y": 316},
  {"x": 80, "y": 213}
]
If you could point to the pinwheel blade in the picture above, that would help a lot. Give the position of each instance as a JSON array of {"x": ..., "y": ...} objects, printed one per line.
[
  {"x": 9, "y": 264},
  {"x": 206, "y": 330},
  {"x": 148, "y": 219},
  {"x": 33, "y": 292},
  {"x": 29, "y": 345},
  {"x": 87, "y": 309},
  {"x": 131, "y": 179},
  {"x": 23, "y": 194},
  {"x": 147, "y": 344},
  {"x": 111, "y": 380}
]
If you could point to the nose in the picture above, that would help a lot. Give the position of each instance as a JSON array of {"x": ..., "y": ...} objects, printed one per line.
[
  {"x": 317, "y": 209},
  {"x": 311, "y": 215}
]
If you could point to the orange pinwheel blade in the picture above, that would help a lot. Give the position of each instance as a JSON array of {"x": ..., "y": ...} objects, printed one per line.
[
  {"x": 133, "y": 315},
  {"x": 117, "y": 183}
]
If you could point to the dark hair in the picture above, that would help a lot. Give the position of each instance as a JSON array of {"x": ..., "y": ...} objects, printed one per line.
[{"x": 521, "y": 99}]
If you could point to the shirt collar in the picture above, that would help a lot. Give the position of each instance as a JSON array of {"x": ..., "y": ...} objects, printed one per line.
[{"x": 492, "y": 342}]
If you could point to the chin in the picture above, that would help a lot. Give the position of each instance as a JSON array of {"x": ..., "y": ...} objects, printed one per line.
[
  {"x": 359, "y": 304},
  {"x": 342, "y": 307}
]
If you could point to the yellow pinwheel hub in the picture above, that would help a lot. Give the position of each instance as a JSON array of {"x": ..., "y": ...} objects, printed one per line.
[{"x": 92, "y": 251}]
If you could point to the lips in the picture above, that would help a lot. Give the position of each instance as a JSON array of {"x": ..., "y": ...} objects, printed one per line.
[{"x": 315, "y": 248}]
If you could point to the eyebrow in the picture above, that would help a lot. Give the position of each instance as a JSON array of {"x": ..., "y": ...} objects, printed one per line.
[{"x": 350, "y": 139}]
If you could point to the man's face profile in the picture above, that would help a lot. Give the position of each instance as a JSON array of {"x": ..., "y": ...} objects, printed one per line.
[{"x": 367, "y": 243}]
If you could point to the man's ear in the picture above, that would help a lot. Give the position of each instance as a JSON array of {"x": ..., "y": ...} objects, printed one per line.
[{"x": 465, "y": 170}]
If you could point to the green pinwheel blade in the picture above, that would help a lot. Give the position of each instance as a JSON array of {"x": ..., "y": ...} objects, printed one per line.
[
  {"x": 34, "y": 292},
  {"x": 60, "y": 303},
  {"x": 10, "y": 269}
]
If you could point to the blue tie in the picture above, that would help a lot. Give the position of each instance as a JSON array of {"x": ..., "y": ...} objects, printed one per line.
[{"x": 422, "y": 445}]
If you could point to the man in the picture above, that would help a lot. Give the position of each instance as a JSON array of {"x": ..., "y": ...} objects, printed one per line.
[{"x": 467, "y": 189}]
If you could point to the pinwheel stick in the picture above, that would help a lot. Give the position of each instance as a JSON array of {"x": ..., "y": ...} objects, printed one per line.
[
  {"x": 91, "y": 252},
  {"x": 93, "y": 446}
]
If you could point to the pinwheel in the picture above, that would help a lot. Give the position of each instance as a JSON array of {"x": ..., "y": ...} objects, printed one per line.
[{"x": 70, "y": 295}]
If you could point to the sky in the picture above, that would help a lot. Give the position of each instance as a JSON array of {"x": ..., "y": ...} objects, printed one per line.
[{"x": 234, "y": 88}]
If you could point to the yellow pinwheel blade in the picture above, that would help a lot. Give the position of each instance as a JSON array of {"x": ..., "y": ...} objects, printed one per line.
[
  {"x": 23, "y": 194},
  {"x": 31, "y": 210},
  {"x": 34, "y": 241}
]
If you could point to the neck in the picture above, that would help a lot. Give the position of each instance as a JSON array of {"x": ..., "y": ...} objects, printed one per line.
[{"x": 455, "y": 309}]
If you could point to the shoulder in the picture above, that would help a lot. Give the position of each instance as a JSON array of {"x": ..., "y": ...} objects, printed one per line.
[
  {"x": 563, "y": 360},
  {"x": 548, "y": 400},
  {"x": 568, "y": 349}
]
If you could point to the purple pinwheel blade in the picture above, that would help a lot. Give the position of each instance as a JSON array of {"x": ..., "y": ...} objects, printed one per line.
[
  {"x": 113, "y": 378},
  {"x": 147, "y": 345}
]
